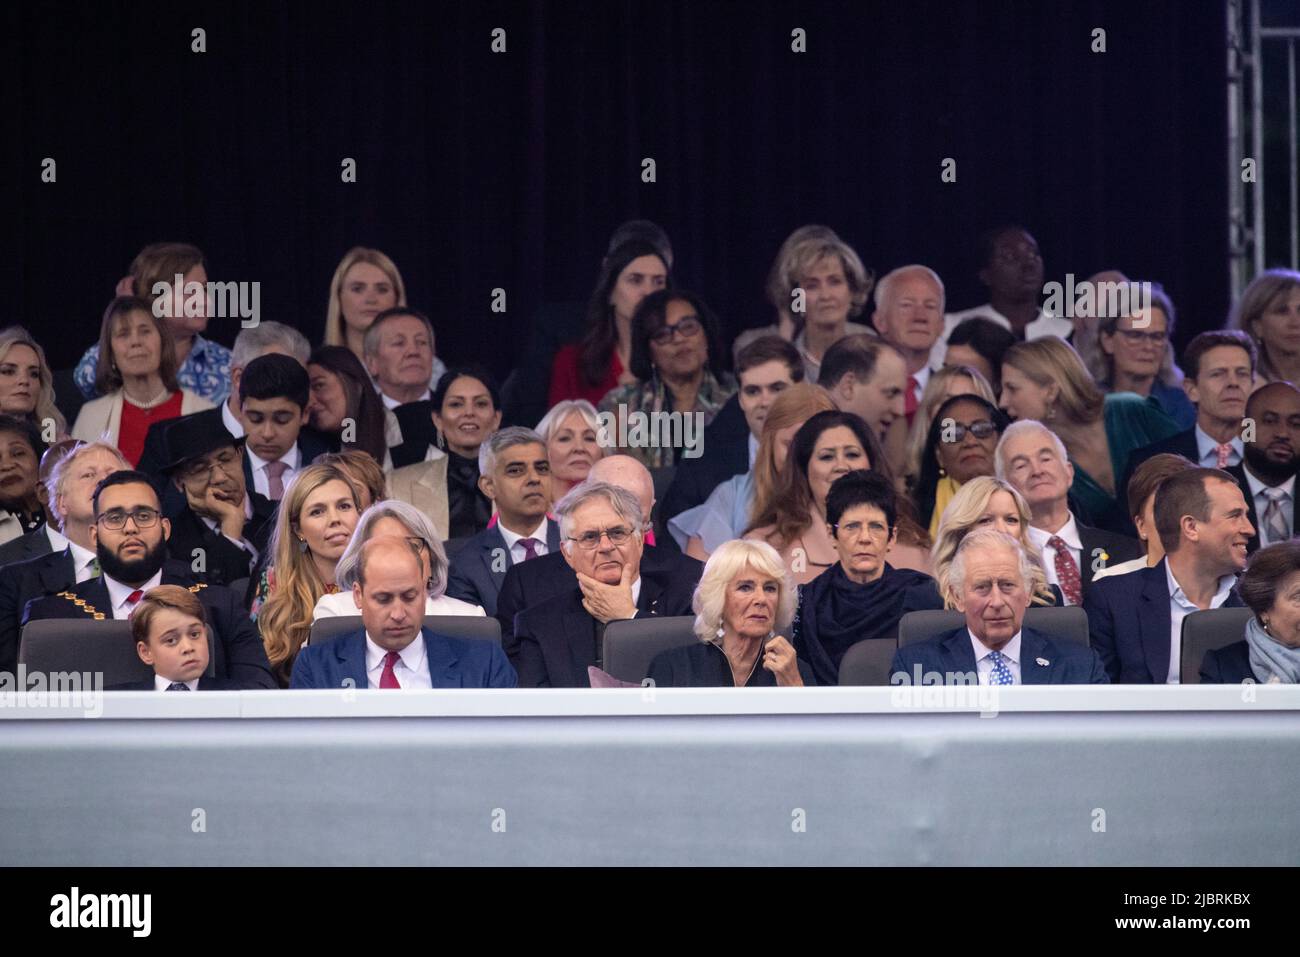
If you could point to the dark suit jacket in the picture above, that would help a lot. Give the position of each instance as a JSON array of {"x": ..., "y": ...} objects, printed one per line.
[
  {"x": 20, "y": 583},
  {"x": 1118, "y": 548},
  {"x": 453, "y": 663},
  {"x": 26, "y": 547},
  {"x": 556, "y": 641},
  {"x": 1239, "y": 473},
  {"x": 418, "y": 433},
  {"x": 1129, "y": 621},
  {"x": 531, "y": 583},
  {"x": 1182, "y": 443},
  {"x": 726, "y": 445},
  {"x": 225, "y": 561},
  {"x": 205, "y": 684},
  {"x": 476, "y": 575},
  {"x": 237, "y": 650},
  {"x": 1067, "y": 662},
  {"x": 1229, "y": 665}
]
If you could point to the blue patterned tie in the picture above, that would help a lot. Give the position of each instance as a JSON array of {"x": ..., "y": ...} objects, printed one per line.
[
  {"x": 1001, "y": 674},
  {"x": 178, "y": 686}
]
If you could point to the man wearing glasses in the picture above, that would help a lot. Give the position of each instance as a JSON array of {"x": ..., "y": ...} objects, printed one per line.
[
  {"x": 558, "y": 640},
  {"x": 130, "y": 538}
]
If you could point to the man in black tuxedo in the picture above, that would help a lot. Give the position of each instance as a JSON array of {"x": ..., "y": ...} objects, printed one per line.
[
  {"x": 224, "y": 527},
  {"x": 130, "y": 536},
  {"x": 765, "y": 368},
  {"x": 557, "y": 641},
  {"x": 1032, "y": 458},
  {"x": 1267, "y": 474}
]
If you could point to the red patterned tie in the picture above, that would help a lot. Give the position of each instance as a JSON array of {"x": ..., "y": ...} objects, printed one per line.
[
  {"x": 388, "y": 679},
  {"x": 1067, "y": 572},
  {"x": 909, "y": 399},
  {"x": 1223, "y": 451}
]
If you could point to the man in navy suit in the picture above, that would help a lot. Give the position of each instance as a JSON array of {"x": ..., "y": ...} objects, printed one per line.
[
  {"x": 515, "y": 474},
  {"x": 990, "y": 578},
  {"x": 393, "y": 650},
  {"x": 1136, "y": 619},
  {"x": 602, "y": 531},
  {"x": 1267, "y": 475}
]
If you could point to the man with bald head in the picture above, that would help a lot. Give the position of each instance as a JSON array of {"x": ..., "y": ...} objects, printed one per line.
[
  {"x": 394, "y": 649},
  {"x": 1270, "y": 462},
  {"x": 529, "y": 583}
]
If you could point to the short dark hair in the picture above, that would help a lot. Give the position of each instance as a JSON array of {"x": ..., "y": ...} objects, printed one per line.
[
  {"x": 1184, "y": 493},
  {"x": 990, "y": 340},
  {"x": 1205, "y": 341},
  {"x": 652, "y": 315},
  {"x": 275, "y": 376},
  {"x": 861, "y": 487},
  {"x": 24, "y": 429},
  {"x": 770, "y": 349},
  {"x": 469, "y": 370},
  {"x": 1149, "y": 476},
  {"x": 987, "y": 241},
  {"x": 645, "y": 231},
  {"x": 858, "y": 353},
  {"x": 1260, "y": 583},
  {"x": 124, "y": 477}
]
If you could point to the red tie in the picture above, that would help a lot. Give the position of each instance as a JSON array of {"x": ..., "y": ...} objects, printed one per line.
[
  {"x": 909, "y": 400},
  {"x": 1067, "y": 573},
  {"x": 388, "y": 679},
  {"x": 133, "y": 599}
]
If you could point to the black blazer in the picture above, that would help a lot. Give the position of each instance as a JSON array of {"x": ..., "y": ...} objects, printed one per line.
[
  {"x": 26, "y": 547},
  {"x": 154, "y": 458},
  {"x": 1183, "y": 443},
  {"x": 225, "y": 561},
  {"x": 726, "y": 444},
  {"x": 1118, "y": 548},
  {"x": 205, "y": 684},
  {"x": 418, "y": 433},
  {"x": 237, "y": 649},
  {"x": 556, "y": 641},
  {"x": 705, "y": 665},
  {"x": 531, "y": 583},
  {"x": 1239, "y": 473},
  {"x": 22, "y": 582},
  {"x": 1229, "y": 665}
]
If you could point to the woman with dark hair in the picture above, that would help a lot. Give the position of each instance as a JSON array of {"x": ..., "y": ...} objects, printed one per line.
[
  {"x": 675, "y": 350},
  {"x": 1270, "y": 654},
  {"x": 862, "y": 595},
  {"x": 591, "y": 368},
  {"x": 21, "y": 448},
  {"x": 466, "y": 410},
  {"x": 793, "y": 518},
  {"x": 959, "y": 446},
  {"x": 1136, "y": 357},
  {"x": 980, "y": 343},
  {"x": 343, "y": 403}
]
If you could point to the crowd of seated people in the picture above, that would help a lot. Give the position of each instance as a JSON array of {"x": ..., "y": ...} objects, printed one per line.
[{"x": 990, "y": 462}]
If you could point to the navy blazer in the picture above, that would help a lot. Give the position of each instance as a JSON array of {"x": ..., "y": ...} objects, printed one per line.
[
  {"x": 1229, "y": 665},
  {"x": 1181, "y": 443},
  {"x": 453, "y": 663},
  {"x": 22, "y": 582},
  {"x": 475, "y": 575},
  {"x": 1044, "y": 660},
  {"x": 205, "y": 684},
  {"x": 1129, "y": 620},
  {"x": 26, "y": 547}
]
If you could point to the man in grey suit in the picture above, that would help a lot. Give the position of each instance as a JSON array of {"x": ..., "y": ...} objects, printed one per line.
[{"x": 515, "y": 474}]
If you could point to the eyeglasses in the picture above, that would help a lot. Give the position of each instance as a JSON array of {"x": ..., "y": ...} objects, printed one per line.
[
  {"x": 618, "y": 535},
  {"x": 981, "y": 430},
  {"x": 855, "y": 529},
  {"x": 1135, "y": 336},
  {"x": 686, "y": 328},
  {"x": 116, "y": 519}
]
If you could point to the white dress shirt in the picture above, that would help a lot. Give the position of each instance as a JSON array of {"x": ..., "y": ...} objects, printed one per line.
[
  {"x": 262, "y": 481},
  {"x": 1069, "y": 534},
  {"x": 411, "y": 669},
  {"x": 162, "y": 684},
  {"x": 1044, "y": 325},
  {"x": 390, "y": 403},
  {"x": 1262, "y": 501},
  {"x": 58, "y": 541},
  {"x": 984, "y": 664},
  {"x": 118, "y": 593},
  {"x": 232, "y": 424},
  {"x": 1209, "y": 457},
  {"x": 1179, "y": 608},
  {"x": 83, "y": 562},
  {"x": 513, "y": 540}
]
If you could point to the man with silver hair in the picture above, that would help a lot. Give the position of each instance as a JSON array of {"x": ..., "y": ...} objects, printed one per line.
[
  {"x": 1032, "y": 458},
  {"x": 515, "y": 474},
  {"x": 990, "y": 576},
  {"x": 909, "y": 316},
  {"x": 558, "y": 641}
]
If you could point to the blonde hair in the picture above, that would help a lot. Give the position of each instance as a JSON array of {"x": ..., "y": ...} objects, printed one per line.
[
  {"x": 285, "y": 619},
  {"x": 805, "y": 247},
  {"x": 935, "y": 394},
  {"x": 1263, "y": 290},
  {"x": 45, "y": 407},
  {"x": 794, "y": 406},
  {"x": 334, "y": 332},
  {"x": 57, "y": 482},
  {"x": 1051, "y": 360},
  {"x": 556, "y": 415},
  {"x": 962, "y": 516},
  {"x": 710, "y": 599}
]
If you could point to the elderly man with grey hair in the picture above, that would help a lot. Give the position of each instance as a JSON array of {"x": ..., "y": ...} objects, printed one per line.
[
  {"x": 909, "y": 316},
  {"x": 990, "y": 577},
  {"x": 558, "y": 641},
  {"x": 515, "y": 474},
  {"x": 1033, "y": 459}
]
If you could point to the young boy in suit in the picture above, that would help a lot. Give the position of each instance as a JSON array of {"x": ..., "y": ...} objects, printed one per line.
[{"x": 171, "y": 636}]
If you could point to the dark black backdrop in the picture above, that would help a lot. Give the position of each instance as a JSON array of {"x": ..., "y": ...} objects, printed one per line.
[{"x": 478, "y": 170}]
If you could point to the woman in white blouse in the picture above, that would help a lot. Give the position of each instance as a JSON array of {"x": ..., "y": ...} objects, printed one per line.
[{"x": 397, "y": 519}]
